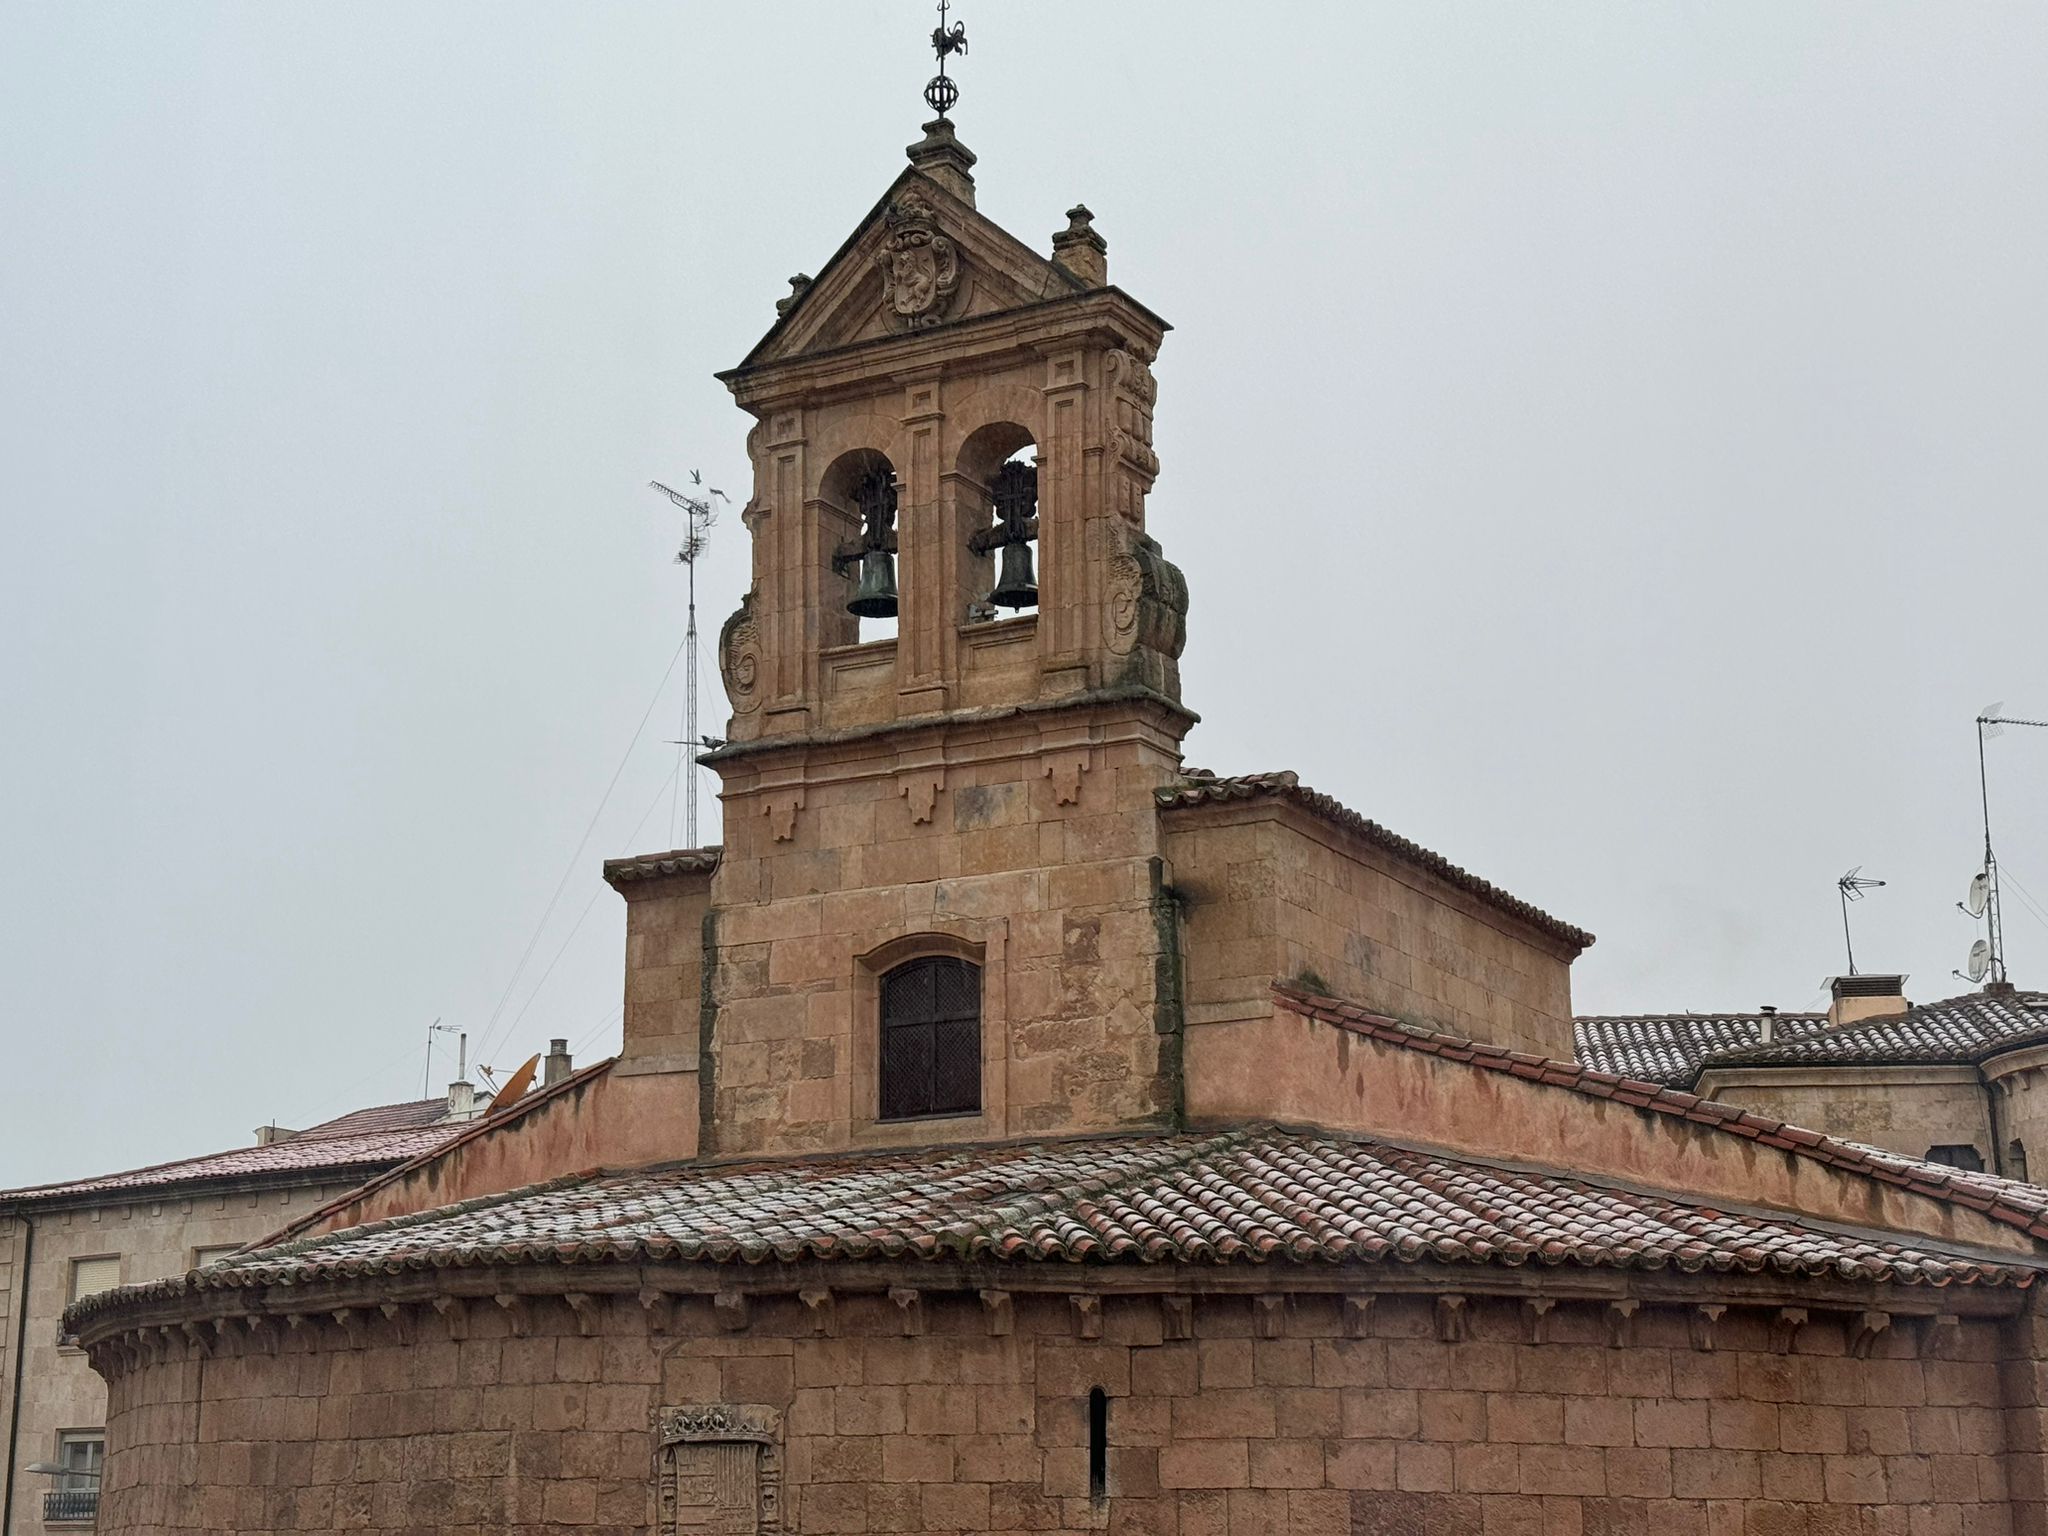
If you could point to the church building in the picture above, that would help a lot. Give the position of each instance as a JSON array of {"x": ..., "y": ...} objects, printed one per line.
[{"x": 1017, "y": 1130}]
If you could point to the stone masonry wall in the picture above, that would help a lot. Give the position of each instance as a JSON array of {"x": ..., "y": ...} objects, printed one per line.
[
  {"x": 1272, "y": 895},
  {"x": 911, "y": 1413},
  {"x": 152, "y": 1239},
  {"x": 1904, "y": 1110},
  {"x": 1039, "y": 865}
]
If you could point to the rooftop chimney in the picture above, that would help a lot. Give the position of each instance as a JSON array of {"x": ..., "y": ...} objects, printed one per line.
[
  {"x": 268, "y": 1135},
  {"x": 1865, "y": 997},
  {"x": 1767, "y": 1025},
  {"x": 462, "y": 1104},
  {"x": 557, "y": 1066}
]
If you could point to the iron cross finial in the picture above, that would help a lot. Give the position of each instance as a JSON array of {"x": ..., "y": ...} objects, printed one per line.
[{"x": 941, "y": 93}]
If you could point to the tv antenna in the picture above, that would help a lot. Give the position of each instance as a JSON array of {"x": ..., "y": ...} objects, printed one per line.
[
  {"x": 699, "y": 514},
  {"x": 461, "y": 1055},
  {"x": 1852, "y": 886},
  {"x": 1982, "y": 901}
]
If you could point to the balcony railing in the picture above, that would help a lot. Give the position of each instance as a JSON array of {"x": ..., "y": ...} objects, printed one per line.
[{"x": 71, "y": 1505}]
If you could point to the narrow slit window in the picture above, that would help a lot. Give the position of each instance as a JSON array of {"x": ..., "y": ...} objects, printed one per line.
[
  {"x": 931, "y": 1039},
  {"x": 1098, "y": 1443}
]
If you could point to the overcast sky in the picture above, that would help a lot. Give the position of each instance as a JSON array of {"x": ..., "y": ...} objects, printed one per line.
[{"x": 1605, "y": 442}]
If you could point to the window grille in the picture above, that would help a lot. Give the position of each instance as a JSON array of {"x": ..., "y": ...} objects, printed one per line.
[{"x": 931, "y": 1039}]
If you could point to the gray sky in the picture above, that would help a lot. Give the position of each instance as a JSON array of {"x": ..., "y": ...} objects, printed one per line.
[{"x": 1605, "y": 443}]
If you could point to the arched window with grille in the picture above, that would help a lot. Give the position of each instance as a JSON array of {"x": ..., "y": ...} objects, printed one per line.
[{"x": 931, "y": 1039}]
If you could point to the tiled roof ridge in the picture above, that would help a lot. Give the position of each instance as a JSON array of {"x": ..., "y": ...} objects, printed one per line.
[
  {"x": 197, "y": 1162},
  {"x": 1683, "y": 1015},
  {"x": 654, "y": 866},
  {"x": 1198, "y": 787},
  {"x": 1247, "y": 1195},
  {"x": 1993, "y": 1198},
  {"x": 1971, "y": 1009},
  {"x": 319, "y": 1130},
  {"x": 475, "y": 1128}
]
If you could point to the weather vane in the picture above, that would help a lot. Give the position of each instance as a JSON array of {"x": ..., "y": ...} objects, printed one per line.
[{"x": 941, "y": 93}]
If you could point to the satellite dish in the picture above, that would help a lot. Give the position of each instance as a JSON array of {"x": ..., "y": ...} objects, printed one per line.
[
  {"x": 523, "y": 1079},
  {"x": 1980, "y": 894},
  {"x": 1979, "y": 961}
]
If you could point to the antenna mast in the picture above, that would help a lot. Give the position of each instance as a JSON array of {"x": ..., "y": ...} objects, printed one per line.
[
  {"x": 698, "y": 516},
  {"x": 1991, "y": 723},
  {"x": 1852, "y": 886}
]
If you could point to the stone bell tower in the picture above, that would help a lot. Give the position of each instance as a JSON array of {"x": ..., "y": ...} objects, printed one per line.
[
  {"x": 954, "y": 430},
  {"x": 934, "y": 349}
]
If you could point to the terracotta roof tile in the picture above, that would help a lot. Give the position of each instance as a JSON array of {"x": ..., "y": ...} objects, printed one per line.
[
  {"x": 1668, "y": 1047},
  {"x": 358, "y": 1152},
  {"x": 1957, "y": 1031},
  {"x": 1675, "y": 1048},
  {"x": 1258, "y": 1195},
  {"x": 654, "y": 866},
  {"x": 1209, "y": 789}
]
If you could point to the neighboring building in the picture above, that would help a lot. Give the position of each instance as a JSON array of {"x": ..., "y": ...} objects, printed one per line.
[
  {"x": 1017, "y": 1131},
  {"x": 61, "y": 1242},
  {"x": 1963, "y": 1082}
]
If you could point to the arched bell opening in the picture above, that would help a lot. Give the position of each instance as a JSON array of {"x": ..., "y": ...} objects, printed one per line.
[
  {"x": 857, "y": 506},
  {"x": 998, "y": 500}
]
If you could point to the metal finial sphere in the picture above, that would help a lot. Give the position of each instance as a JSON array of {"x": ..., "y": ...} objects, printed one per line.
[{"x": 942, "y": 94}]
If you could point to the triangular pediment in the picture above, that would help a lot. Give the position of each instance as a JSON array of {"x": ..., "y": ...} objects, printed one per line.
[{"x": 921, "y": 259}]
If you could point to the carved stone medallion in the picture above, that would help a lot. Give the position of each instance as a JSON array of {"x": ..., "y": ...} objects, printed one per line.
[
  {"x": 1145, "y": 602},
  {"x": 739, "y": 658},
  {"x": 718, "y": 1470},
  {"x": 920, "y": 268}
]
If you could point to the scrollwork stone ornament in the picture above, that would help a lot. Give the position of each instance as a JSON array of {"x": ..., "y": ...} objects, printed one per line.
[
  {"x": 920, "y": 267},
  {"x": 1146, "y": 602},
  {"x": 718, "y": 1468},
  {"x": 739, "y": 657}
]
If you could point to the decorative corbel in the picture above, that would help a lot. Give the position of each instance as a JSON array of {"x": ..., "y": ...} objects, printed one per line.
[
  {"x": 1620, "y": 1319},
  {"x": 1065, "y": 770},
  {"x": 352, "y": 1323},
  {"x": 780, "y": 807},
  {"x": 921, "y": 789},
  {"x": 1087, "y": 1316},
  {"x": 1785, "y": 1328},
  {"x": 584, "y": 1305},
  {"x": 294, "y": 1322},
  {"x": 660, "y": 1309},
  {"x": 1863, "y": 1332},
  {"x": 399, "y": 1317},
  {"x": 1358, "y": 1317},
  {"x": 1536, "y": 1314},
  {"x": 1000, "y": 1313},
  {"x": 1451, "y": 1319},
  {"x": 222, "y": 1329},
  {"x": 1176, "y": 1318},
  {"x": 822, "y": 1311},
  {"x": 516, "y": 1315},
  {"x": 454, "y": 1312},
  {"x": 730, "y": 1308},
  {"x": 1269, "y": 1316},
  {"x": 909, "y": 1307},
  {"x": 196, "y": 1337},
  {"x": 1702, "y": 1322},
  {"x": 261, "y": 1330}
]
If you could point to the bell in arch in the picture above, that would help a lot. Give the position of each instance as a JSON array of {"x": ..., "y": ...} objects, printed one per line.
[
  {"x": 1015, "y": 493},
  {"x": 1016, "y": 583},
  {"x": 875, "y": 596}
]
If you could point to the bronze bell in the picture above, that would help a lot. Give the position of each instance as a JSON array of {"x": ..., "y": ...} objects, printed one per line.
[
  {"x": 1016, "y": 586},
  {"x": 875, "y": 597}
]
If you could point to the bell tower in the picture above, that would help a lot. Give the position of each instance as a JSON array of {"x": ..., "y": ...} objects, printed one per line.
[
  {"x": 941, "y": 910},
  {"x": 955, "y": 431}
]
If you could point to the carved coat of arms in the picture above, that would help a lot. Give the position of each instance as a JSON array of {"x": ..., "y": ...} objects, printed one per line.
[{"x": 920, "y": 268}]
